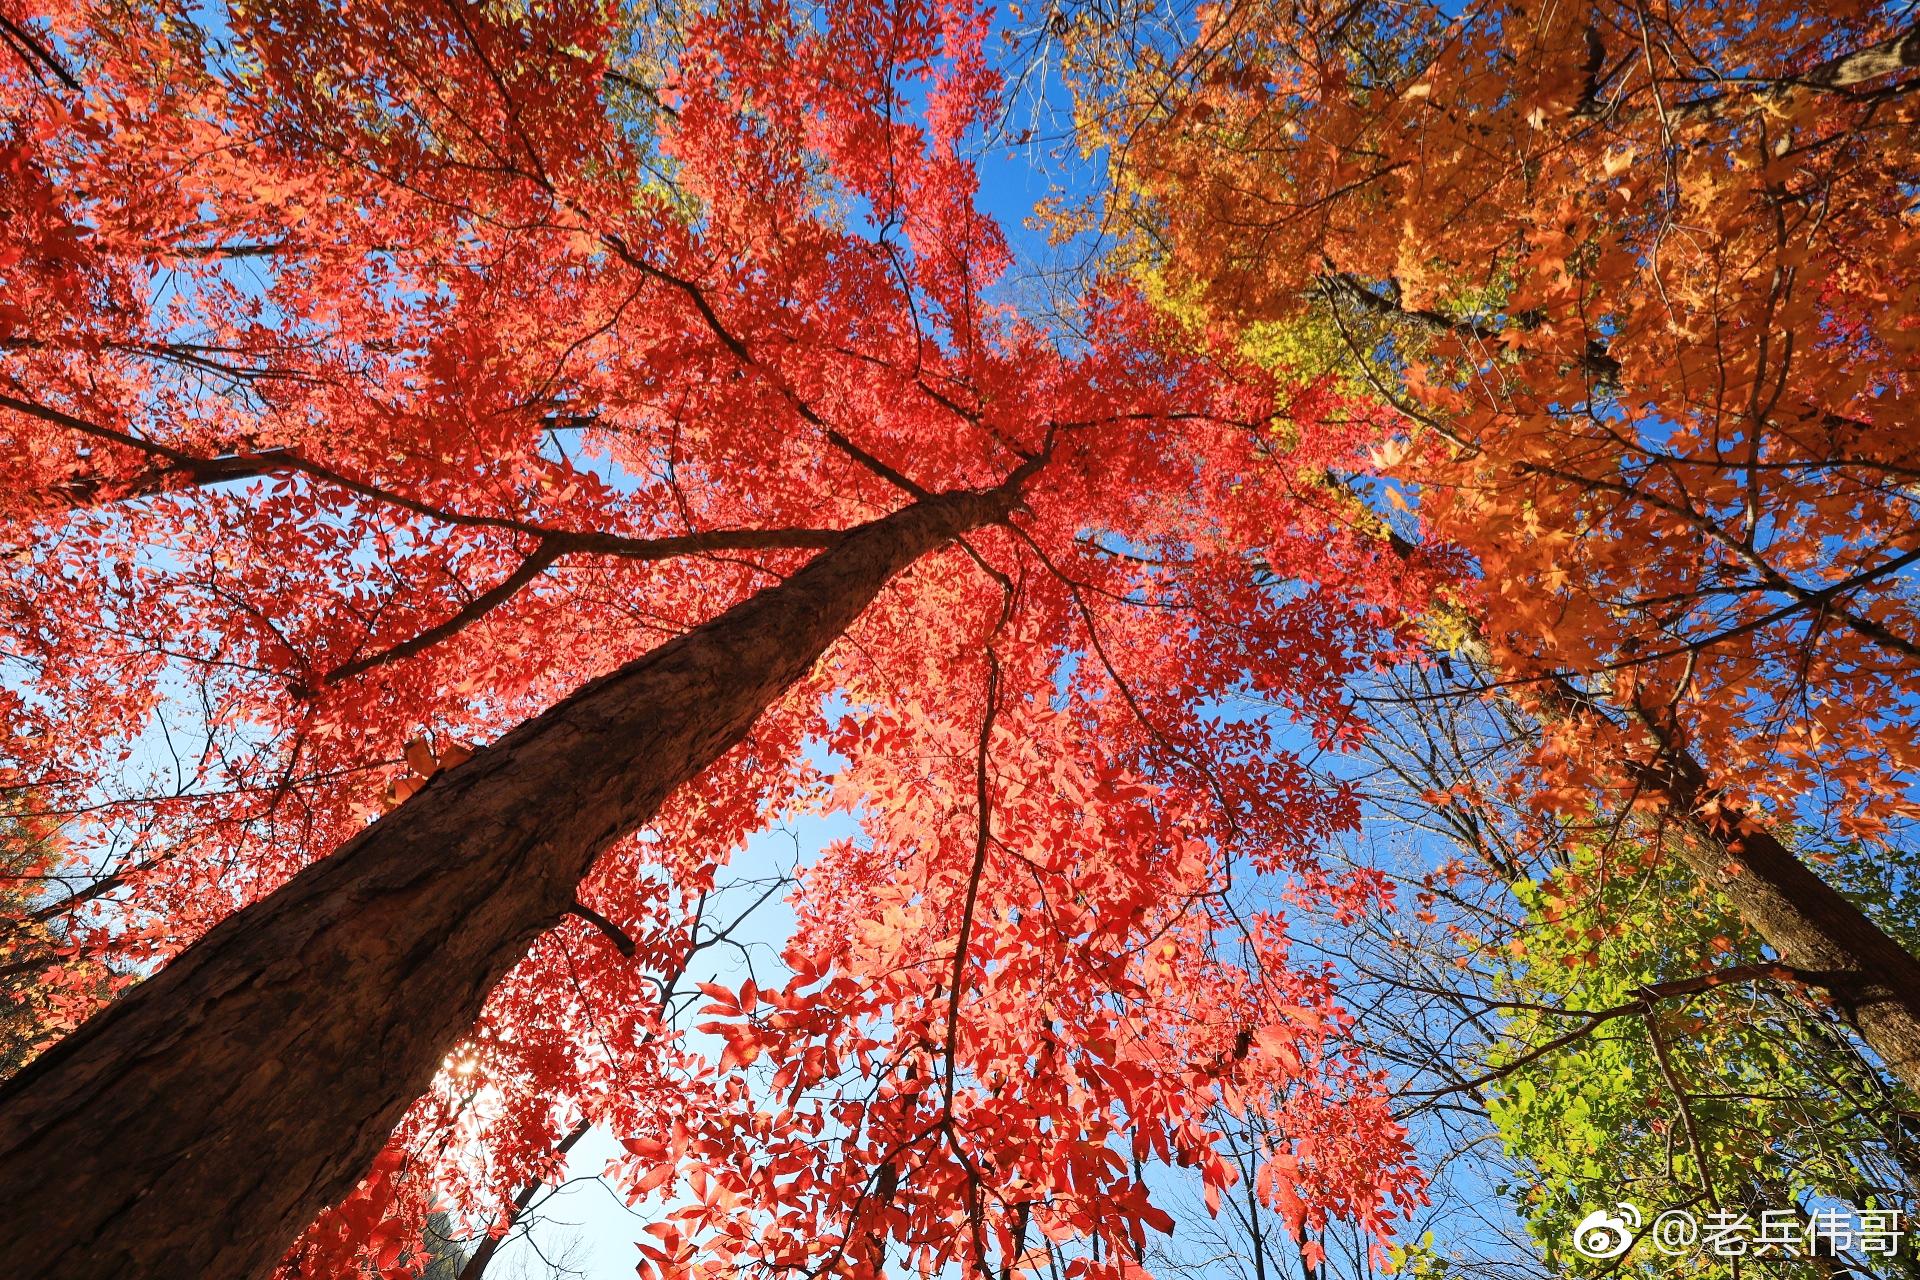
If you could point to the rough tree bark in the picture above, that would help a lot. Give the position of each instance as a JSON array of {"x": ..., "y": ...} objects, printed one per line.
[
  {"x": 195, "y": 1127},
  {"x": 1810, "y": 925},
  {"x": 1870, "y": 977}
]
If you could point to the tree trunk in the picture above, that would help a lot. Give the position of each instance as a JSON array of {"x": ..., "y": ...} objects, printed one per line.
[
  {"x": 195, "y": 1127},
  {"x": 1811, "y": 926},
  {"x": 1871, "y": 978}
]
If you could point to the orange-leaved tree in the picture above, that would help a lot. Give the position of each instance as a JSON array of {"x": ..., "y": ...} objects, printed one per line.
[
  {"x": 382, "y": 381},
  {"x": 1641, "y": 283}
]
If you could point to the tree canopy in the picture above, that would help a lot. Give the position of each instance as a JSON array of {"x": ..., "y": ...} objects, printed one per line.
[
  {"x": 469, "y": 470},
  {"x": 377, "y": 376},
  {"x": 1639, "y": 290}
]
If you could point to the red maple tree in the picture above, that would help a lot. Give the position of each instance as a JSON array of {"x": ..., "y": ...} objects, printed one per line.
[{"x": 373, "y": 377}]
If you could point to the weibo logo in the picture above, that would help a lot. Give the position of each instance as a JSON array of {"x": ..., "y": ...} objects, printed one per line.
[{"x": 1606, "y": 1235}]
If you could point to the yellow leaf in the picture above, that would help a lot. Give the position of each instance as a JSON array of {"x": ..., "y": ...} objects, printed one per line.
[{"x": 420, "y": 757}]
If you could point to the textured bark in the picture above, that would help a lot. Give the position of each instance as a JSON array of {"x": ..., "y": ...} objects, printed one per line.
[
  {"x": 1813, "y": 927},
  {"x": 1810, "y": 925},
  {"x": 194, "y": 1128}
]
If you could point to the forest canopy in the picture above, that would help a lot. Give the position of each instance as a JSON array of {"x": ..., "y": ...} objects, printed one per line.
[{"x": 1334, "y": 694}]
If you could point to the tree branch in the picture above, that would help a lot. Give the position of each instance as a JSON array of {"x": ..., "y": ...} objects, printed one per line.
[
  {"x": 1895, "y": 53},
  {"x": 477, "y": 1264},
  {"x": 35, "y": 54},
  {"x": 560, "y": 543},
  {"x": 620, "y": 938}
]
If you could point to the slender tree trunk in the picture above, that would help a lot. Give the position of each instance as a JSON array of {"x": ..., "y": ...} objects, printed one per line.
[
  {"x": 194, "y": 1128},
  {"x": 1809, "y": 924},
  {"x": 1874, "y": 980}
]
